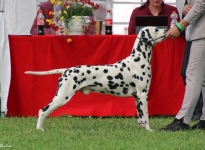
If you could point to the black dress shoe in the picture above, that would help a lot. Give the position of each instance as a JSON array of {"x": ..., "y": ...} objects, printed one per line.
[
  {"x": 176, "y": 125},
  {"x": 199, "y": 125}
]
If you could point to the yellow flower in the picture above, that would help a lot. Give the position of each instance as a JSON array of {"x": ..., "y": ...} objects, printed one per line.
[
  {"x": 61, "y": 18},
  {"x": 51, "y": 13},
  {"x": 67, "y": 7},
  {"x": 49, "y": 21},
  {"x": 59, "y": 12},
  {"x": 69, "y": 40},
  {"x": 76, "y": 18},
  {"x": 52, "y": 1},
  {"x": 59, "y": 2},
  {"x": 65, "y": 12}
]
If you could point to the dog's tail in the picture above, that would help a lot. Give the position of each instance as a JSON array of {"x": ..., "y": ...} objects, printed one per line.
[{"x": 55, "y": 71}]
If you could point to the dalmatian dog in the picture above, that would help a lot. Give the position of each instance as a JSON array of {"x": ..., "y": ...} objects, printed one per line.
[{"x": 128, "y": 77}]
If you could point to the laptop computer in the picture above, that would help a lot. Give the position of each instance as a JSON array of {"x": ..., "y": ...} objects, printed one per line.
[{"x": 143, "y": 21}]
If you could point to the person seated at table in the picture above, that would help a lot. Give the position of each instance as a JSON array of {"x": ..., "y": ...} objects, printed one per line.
[
  {"x": 45, "y": 7},
  {"x": 151, "y": 8}
]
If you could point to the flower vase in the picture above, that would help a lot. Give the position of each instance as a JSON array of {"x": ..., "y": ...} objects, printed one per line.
[{"x": 75, "y": 26}]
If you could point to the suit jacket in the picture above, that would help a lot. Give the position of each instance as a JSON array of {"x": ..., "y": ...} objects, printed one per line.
[{"x": 196, "y": 19}]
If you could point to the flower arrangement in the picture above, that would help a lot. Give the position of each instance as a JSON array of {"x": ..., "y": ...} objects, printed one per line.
[{"x": 65, "y": 11}]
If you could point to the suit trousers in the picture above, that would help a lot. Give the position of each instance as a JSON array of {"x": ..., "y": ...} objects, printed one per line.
[{"x": 195, "y": 81}]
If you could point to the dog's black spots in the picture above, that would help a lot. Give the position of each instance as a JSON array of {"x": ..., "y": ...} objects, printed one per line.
[
  {"x": 119, "y": 76},
  {"x": 139, "y": 48},
  {"x": 149, "y": 75},
  {"x": 144, "y": 55},
  {"x": 122, "y": 82},
  {"x": 141, "y": 78},
  {"x": 116, "y": 66},
  {"x": 137, "y": 59},
  {"x": 70, "y": 71},
  {"x": 124, "y": 65},
  {"x": 140, "y": 112},
  {"x": 66, "y": 79},
  {"x": 156, "y": 30},
  {"x": 148, "y": 68},
  {"x": 45, "y": 108},
  {"x": 76, "y": 71},
  {"x": 143, "y": 73},
  {"x": 119, "y": 61},
  {"x": 127, "y": 85},
  {"x": 79, "y": 82},
  {"x": 94, "y": 77},
  {"x": 74, "y": 86},
  {"x": 125, "y": 90},
  {"x": 121, "y": 69},
  {"x": 133, "y": 51},
  {"x": 112, "y": 92},
  {"x": 113, "y": 86},
  {"x": 134, "y": 76},
  {"x": 60, "y": 79},
  {"x": 142, "y": 66},
  {"x": 84, "y": 79},
  {"x": 110, "y": 82},
  {"x": 149, "y": 54},
  {"x": 75, "y": 79},
  {"x": 97, "y": 68},
  {"x": 99, "y": 84},
  {"x": 147, "y": 81},
  {"x": 132, "y": 84},
  {"x": 128, "y": 68},
  {"x": 64, "y": 75},
  {"x": 102, "y": 92},
  {"x": 144, "y": 90},
  {"x": 66, "y": 98},
  {"x": 105, "y": 70},
  {"x": 82, "y": 74},
  {"x": 118, "y": 93},
  {"x": 109, "y": 77},
  {"x": 88, "y": 71}
]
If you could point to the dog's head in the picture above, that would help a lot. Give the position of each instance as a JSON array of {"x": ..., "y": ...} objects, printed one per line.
[{"x": 152, "y": 35}]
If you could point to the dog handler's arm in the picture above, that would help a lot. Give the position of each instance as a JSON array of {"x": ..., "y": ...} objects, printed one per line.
[{"x": 174, "y": 32}]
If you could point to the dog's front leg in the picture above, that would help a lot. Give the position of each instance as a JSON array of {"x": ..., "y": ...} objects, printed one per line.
[{"x": 142, "y": 110}]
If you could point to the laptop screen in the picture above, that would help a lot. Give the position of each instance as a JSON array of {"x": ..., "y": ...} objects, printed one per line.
[{"x": 143, "y": 21}]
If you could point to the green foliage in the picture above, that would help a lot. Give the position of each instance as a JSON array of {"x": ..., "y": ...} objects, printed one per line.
[{"x": 77, "y": 133}]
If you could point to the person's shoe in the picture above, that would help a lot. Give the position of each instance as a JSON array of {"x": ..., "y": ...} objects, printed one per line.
[
  {"x": 199, "y": 125},
  {"x": 196, "y": 117},
  {"x": 176, "y": 125}
]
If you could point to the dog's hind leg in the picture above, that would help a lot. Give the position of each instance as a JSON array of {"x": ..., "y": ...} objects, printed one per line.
[
  {"x": 57, "y": 102},
  {"x": 142, "y": 110},
  {"x": 63, "y": 95}
]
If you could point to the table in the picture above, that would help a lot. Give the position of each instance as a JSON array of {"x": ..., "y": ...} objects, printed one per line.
[{"x": 28, "y": 93}]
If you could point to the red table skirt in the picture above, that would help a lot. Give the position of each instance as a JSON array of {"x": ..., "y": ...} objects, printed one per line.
[{"x": 28, "y": 93}]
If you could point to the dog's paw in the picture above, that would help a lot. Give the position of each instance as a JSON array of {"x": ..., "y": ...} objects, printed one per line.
[{"x": 39, "y": 128}]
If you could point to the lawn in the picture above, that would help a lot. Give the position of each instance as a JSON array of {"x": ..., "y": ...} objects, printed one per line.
[{"x": 88, "y": 133}]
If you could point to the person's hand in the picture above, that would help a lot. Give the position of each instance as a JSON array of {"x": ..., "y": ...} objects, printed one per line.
[
  {"x": 186, "y": 9},
  {"x": 173, "y": 32}
]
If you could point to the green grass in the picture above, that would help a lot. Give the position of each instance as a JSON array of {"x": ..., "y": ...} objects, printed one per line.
[{"x": 76, "y": 133}]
